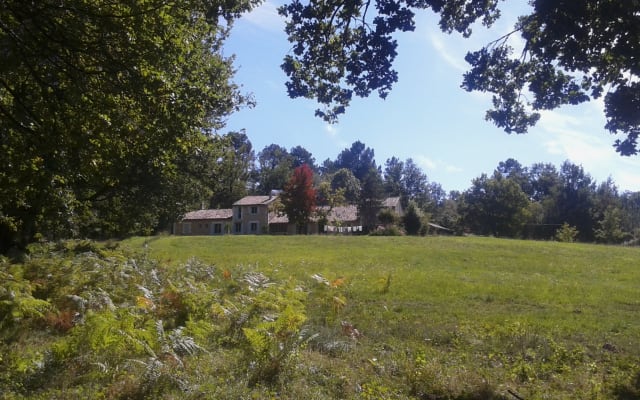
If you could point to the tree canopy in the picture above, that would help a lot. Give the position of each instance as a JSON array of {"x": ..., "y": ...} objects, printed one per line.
[
  {"x": 104, "y": 107},
  {"x": 299, "y": 197},
  {"x": 574, "y": 51}
]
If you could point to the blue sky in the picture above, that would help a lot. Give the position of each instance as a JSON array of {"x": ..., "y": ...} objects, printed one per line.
[{"x": 427, "y": 116}]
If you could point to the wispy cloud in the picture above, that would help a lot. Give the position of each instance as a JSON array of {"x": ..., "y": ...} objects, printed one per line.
[
  {"x": 628, "y": 180},
  {"x": 577, "y": 137},
  {"x": 331, "y": 130},
  {"x": 432, "y": 165},
  {"x": 570, "y": 138},
  {"x": 443, "y": 48},
  {"x": 266, "y": 17}
]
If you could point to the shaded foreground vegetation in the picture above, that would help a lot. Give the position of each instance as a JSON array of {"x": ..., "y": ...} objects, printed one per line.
[{"x": 321, "y": 317}]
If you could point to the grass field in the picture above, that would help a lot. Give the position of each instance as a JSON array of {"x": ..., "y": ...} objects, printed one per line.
[
  {"x": 320, "y": 317},
  {"x": 444, "y": 317}
]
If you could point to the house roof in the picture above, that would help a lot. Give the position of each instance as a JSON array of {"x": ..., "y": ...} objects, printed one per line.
[
  {"x": 254, "y": 200},
  {"x": 277, "y": 218},
  {"x": 343, "y": 213},
  {"x": 391, "y": 202},
  {"x": 225, "y": 213}
]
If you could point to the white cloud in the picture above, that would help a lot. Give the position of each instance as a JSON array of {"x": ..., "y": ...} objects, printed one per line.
[
  {"x": 453, "y": 169},
  {"x": 266, "y": 17},
  {"x": 425, "y": 162},
  {"x": 433, "y": 165},
  {"x": 454, "y": 60},
  {"x": 581, "y": 138},
  {"x": 332, "y": 130},
  {"x": 628, "y": 180},
  {"x": 571, "y": 138}
]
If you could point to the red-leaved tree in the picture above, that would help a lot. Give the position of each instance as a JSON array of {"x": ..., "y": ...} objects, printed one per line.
[{"x": 299, "y": 197}]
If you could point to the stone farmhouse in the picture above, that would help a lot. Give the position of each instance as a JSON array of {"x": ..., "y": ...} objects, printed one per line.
[{"x": 255, "y": 215}]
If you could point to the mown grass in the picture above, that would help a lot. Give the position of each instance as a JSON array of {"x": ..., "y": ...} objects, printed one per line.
[{"x": 445, "y": 317}]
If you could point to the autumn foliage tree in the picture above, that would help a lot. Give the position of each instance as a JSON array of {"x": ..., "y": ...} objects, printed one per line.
[{"x": 299, "y": 197}]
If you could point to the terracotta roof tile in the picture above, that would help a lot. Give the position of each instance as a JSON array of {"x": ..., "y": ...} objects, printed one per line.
[
  {"x": 391, "y": 202},
  {"x": 225, "y": 213},
  {"x": 343, "y": 213},
  {"x": 254, "y": 200}
]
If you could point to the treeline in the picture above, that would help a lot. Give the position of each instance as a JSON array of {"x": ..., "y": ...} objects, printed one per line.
[
  {"x": 538, "y": 202},
  {"x": 541, "y": 201}
]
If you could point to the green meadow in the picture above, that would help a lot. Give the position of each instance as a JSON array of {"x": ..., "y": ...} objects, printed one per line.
[
  {"x": 544, "y": 319},
  {"x": 322, "y": 317}
]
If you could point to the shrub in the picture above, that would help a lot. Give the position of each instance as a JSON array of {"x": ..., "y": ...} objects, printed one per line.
[{"x": 566, "y": 233}]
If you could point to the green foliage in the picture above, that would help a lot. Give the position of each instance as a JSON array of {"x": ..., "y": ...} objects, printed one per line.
[
  {"x": 412, "y": 220},
  {"x": 275, "y": 168},
  {"x": 232, "y": 171},
  {"x": 566, "y": 233},
  {"x": 495, "y": 206},
  {"x": 568, "y": 58},
  {"x": 609, "y": 229},
  {"x": 114, "y": 326},
  {"x": 387, "y": 217},
  {"x": 339, "y": 52},
  {"x": 334, "y": 317},
  {"x": 388, "y": 231},
  {"x": 103, "y": 107}
]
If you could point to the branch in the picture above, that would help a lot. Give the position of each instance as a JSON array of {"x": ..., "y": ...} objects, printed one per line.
[{"x": 514, "y": 394}]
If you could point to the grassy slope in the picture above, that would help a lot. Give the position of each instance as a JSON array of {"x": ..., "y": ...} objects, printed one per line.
[{"x": 549, "y": 320}]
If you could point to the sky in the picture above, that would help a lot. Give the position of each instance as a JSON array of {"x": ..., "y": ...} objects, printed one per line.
[{"x": 426, "y": 117}]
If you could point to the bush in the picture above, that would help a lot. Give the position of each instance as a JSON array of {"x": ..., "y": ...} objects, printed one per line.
[
  {"x": 388, "y": 231},
  {"x": 566, "y": 233}
]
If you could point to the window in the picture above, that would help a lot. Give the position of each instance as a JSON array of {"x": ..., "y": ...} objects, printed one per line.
[
  {"x": 253, "y": 227},
  {"x": 186, "y": 228},
  {"x": 239, "y": 212},
  {"x": 254, "y": 210},
  {"x": 238, "y": 227},
  {"x": 217, "y": 228}
]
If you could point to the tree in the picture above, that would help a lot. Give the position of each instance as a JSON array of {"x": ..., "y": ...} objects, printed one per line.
[
  {"x": 495, "y": 206},
  {"x": 393, "y": 176},
  {"x": 350, "y": 186},
  {"x": 275, "y": 166},
  {"x": 412, "y": 220},
  {"x": 575, "y": 200},
  {"x": 299, "y": 196},
  {"x": 359, "y": 159},
  {"x": 301, "y": 156},
  {"x": 544, "y": 180},
  {"x": 513, "y": 170},
  {"x": 630, "y": 204},
  {"x": 370, "y": 199},
  {"x": 573, "y": 51},
  {"x": 387, "y": 217},
  {"x": 232, "y": 170},
  {"x": 414, "y": 184},
  {"x": 609, "y": 228},
  {"x": 103, "y": 107}
]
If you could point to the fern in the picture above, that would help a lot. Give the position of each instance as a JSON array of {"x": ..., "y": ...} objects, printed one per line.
[{"x": 184, "y": 345}]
